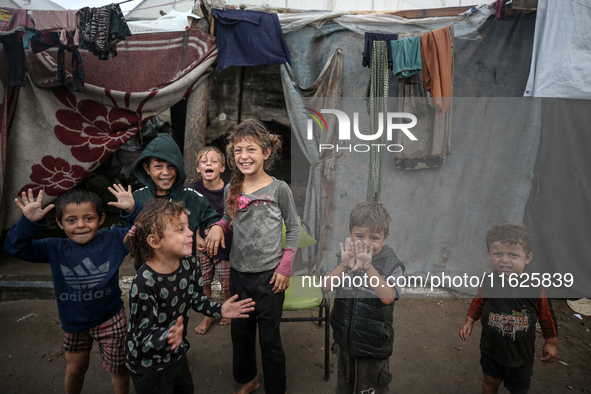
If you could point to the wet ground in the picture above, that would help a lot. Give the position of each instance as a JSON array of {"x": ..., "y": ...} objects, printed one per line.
[{"x": 428, "y": 355}]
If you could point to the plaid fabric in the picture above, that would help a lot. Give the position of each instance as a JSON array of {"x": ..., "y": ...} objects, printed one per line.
[
  {"x": 110, "y": 336},
  {"x": 209, "y": 266}
]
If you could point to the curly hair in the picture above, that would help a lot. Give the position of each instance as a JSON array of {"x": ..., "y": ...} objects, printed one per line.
[
  {"x": 512, "y": 234},
  {"x": 372, "y": 215},
  {"x": 255, "y": 131},
  {"x": 152, "y": 220}
]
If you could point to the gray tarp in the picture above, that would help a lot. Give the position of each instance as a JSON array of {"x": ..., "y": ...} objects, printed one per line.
[
  {"x": 561, "y": 51},
  {"x": 441, "y": 216}
]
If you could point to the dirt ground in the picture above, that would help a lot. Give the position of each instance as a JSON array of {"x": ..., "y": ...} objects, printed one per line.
[{"x": 428, "y": 355}]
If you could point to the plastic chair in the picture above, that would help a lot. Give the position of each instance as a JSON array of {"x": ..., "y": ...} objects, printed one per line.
[{"x": 308, "y": 297}]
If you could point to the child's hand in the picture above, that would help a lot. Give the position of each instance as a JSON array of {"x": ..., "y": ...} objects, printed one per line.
[
  {"x": 214, "y": 238},
  {"x": 466, "y": 329},
  {"x": 124, "y": 197},
  {"x": 363, "y": 253},
  {"x": 233, "y": 309},
  {"x": 280, "y": 282},
  {"x": 33, "y": 209},
  {"x": 175, "y": 335},
  {"x": 549, "y": 352},
  {"x": 200, "y": 243},
  {"x": 347, "y": 254}
]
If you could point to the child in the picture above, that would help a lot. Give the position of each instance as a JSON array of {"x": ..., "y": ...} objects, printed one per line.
[
  {"x": 256, "y": 206},
  {"x": 160, "y": 167},
  {"x": 210, "y": 164},
  {"x": 509, "y": 317},
  {"x": 362, "y": 317},
  {"x": 163, "y": 292},
  {"x": 85, "y": 271}
]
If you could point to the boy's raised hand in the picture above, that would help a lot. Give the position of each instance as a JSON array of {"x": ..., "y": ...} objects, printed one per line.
[
  {"x": 175, "y": 335},
  {"x": 124, "y": 197},
  {"x": 363, "y": 253},
  {"x": 33, "y": 209},
  {"x": 348, "y": 254},
  {"x": 233, "y": 309}
]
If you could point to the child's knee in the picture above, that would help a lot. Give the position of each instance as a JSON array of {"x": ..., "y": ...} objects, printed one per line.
[
  {"x": 77, "y": 363},
  {"x": 491, "y": 382}
]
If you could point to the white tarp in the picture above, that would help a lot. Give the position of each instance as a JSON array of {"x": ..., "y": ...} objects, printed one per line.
[
  {"x": 561, "y": 51},
  {"x": 152, "y": 9},
  {"x": 173, "y": 21}
]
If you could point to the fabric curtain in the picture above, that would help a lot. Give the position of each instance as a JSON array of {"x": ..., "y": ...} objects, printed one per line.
[
  {"x": 59, "y": 136},
  {"x": 325, "y": 92}
]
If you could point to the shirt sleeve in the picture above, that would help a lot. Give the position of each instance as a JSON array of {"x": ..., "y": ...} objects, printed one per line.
[
  {"x": 475, "y": 310},
  {"x": 292, "y": 229},
  {"x": 394, "y": 275},
  {"x": 20, "y": 241},
  {"x": 546, "y": 316}
]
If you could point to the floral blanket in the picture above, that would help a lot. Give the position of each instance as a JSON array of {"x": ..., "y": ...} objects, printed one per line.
[{"x": 53, "y": 137}]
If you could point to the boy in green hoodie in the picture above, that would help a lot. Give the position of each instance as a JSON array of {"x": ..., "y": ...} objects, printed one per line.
[{"x": 161, "y": 169}]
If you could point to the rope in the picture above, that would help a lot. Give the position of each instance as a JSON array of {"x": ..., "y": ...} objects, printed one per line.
[{"x": 378, "y": 95}]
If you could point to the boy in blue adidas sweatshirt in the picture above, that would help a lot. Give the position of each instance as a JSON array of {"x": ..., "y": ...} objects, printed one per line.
[{"x": 85, "y": 271}]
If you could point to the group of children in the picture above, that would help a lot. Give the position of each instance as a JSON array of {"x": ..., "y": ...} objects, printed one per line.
[{"x": 235, "y": 228}]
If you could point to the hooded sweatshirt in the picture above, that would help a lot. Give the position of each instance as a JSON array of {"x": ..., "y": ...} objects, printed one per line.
[{"x": 163, "y": 147}]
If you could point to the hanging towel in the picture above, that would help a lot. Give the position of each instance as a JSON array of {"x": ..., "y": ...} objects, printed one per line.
[
  {"x": 249, "y": 38},
  {"x": 369, "y": 39},
  {"x": 406, "y": 57},
  {"x": 102, "y": 29},
  {"x": 62, "y": 21},
  {"x": 436, "y": 56}
]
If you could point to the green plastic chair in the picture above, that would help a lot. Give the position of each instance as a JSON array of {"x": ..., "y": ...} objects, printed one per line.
[{"x": 300, "y": 297}]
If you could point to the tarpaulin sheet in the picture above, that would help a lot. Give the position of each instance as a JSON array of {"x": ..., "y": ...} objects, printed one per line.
[
  {"x": 440, "y": 216},
  {"x": 561, "y": 51}
]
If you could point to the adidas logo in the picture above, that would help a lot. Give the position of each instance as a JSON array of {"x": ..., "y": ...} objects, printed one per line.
[{"x": 86, "y": 275}]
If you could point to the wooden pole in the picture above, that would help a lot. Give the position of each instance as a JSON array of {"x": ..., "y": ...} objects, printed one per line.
[{"x": 196, "y": 126}]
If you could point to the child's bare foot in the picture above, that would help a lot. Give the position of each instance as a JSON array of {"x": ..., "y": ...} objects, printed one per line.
[
  {"x": 249, "y": 387},
  {"x": 225, "y": 321},
  {"x": 204, "y": 325}
]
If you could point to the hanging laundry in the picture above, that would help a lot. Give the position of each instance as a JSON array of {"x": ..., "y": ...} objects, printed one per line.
[
  {"x": 406, "y": 57},
  {"x": 433, "y": 130},
  {"x": 500, "y": 9},
  {"x": 63, "y": 21},
  {"x": 44, "y": 40},
  {"x": 369, "y": 39},
  {"x": 249, "y": 38},
  {"x": 13, "y": 23},
  {"x": 101, "y": 29},
  {"x": 436, "y": 56},
  {"x": 378, "y": 107}
]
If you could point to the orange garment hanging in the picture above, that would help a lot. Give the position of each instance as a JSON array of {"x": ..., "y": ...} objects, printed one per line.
[{"x": 436, "y": 56}]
